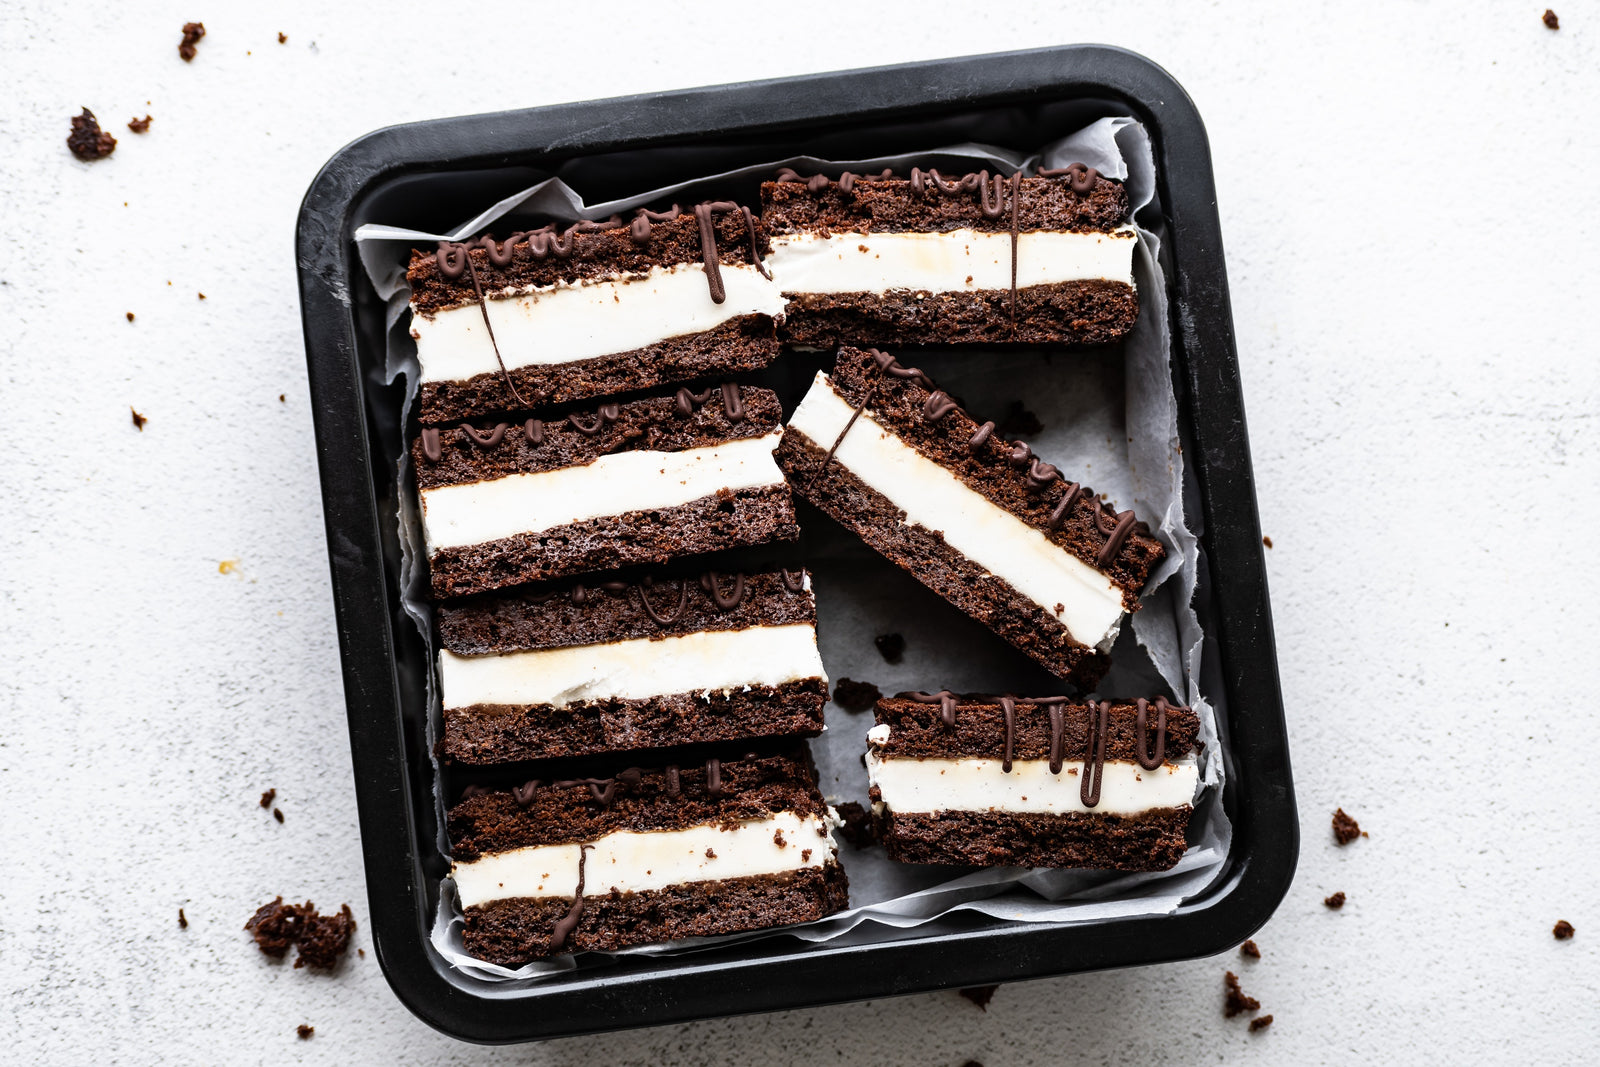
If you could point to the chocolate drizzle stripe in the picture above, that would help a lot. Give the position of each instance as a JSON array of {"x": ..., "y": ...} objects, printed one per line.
[
  {"x": 793, "y": 582},
  {"x": 655, "y": 617},
  {"x": 430, "y": 445},
  {"x": 1147, "y": 761},
  {"x": 1057, "y": 730},
  {"x": 569, "y": 922},
  {"x": 483, "y": 309},
  {"x": 1094, "y": 754},
  {"x": 946, "y": 700},
  {"x": 724, "y": 603},
  {"x": 1008, "y": 708}
]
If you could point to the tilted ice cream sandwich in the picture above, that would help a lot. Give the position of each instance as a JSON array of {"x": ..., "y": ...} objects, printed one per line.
[
  {"x": 1032, "y": 782},
  {"x": 935, "y": 260},
  {"x": 627, "y": 666},
  {"x": 550, "y": 316},
  {"x": 638, "y": 482},
  {"x": 644, "y": 856},
  {"x": 982, "y": 522}
]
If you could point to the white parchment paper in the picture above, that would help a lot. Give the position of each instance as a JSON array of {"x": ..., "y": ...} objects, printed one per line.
[{"x": 1110, "y": 421}]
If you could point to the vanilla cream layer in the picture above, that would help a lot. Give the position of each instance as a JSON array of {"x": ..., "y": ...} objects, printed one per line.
[
  {"x": 562, "y": 323},
  {"x": 708, "y": 661},
  {"x": 1083, "y": 599},
  {"x": 924, "y": 786},
  {"x": 960, "y": 260},
  {"x": 475, "y": 512},
  {"x": 630, "y": 862}
]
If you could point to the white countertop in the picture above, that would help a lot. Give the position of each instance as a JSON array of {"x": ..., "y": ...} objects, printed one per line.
[{"x": 1414, "y": 271}]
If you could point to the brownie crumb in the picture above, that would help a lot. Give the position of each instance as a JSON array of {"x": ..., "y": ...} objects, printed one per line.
[
  {"x": 1550, "y": 20},
  {"x": 1268, "y": 542},
  {"x": 1236, "y": 1001},
  {"x": 183, "y": 920},
  {"x": 305, "y": 1031},
  {"x": 361, "y": 952},
  {"x": 275, "y": 926},
  {"x": 855, "y": 696},
  {"x": 192, "y": 32},
  {"x": 325, "y": 938},
  {"x": 138, "y": 420},
  {"x": 805, "y": 855},
  {"x": 890, "y": 646},
  {"x": 268, "y": 797},
  {"x": 1345, "y": 829},
  {"x": 1249, "y": 949},
  {"x": 277, "y": 813},
  {"x": 980, "y": 995},
  {"x": 711, "y": 854},
  {"x": 1336, "y": 901},
  {"x": 139, "y": 125},
  {"x": 283, "y": 38},
  {"x": 281, "y": 399},
  {"x": 130, "y": 316},
  {"x": 1260, "y": 1023},
  {"x": 777, "y": 839},
  {"x": 1019, "y": 422},
  {"x": 857, "y": 828},
  {"x": 87, "y": 140},
  {"x": 1563, "y": 931},
  {"x": 202, "y": 296}
]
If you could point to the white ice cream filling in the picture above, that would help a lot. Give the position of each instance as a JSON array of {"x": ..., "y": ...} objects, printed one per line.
[
  {"x": 1085, "y": 601},
  {"x": 567, "y": 322},
  {"x": 956, "y": 261},
  {"x": 925, "y": 786},
  {"x": 630, "y": 861},
  {"x": 475, "y": 512},
  {"x": 707, "y": 661}
]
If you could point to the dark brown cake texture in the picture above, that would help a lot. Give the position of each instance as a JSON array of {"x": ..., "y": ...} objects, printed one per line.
[
  {"x": 1074, "y": 199},
  {"x": 89, "y": 142},
  {"x": 945, "y": 725},
  {"x": 1007, "y": 474},
  {"x": 459, "y": 274},
  {"x": 668, "y": 423},
  {"x": 650, "y": 608},
  {"x": 514, "y": 930}
]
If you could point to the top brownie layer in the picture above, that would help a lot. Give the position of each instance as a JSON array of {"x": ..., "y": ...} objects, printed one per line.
[
  {"x": 667, "y": 423},
  {"x": 1006, "y": 473},
  {"x": 592, "y": 254},
  {"x": 718, "y": 793},
  {"x": 894, "y": 205},
  {"x": 618, "y": 611},
  {"x": 918, "y": 729}
]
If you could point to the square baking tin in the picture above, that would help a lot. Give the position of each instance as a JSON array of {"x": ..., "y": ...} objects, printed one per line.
[{"x": 426, "y": 175}]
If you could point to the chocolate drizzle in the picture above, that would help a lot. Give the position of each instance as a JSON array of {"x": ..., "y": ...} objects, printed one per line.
[
  {"x": 708, "y": 244},
  {"x": 1008, "y": 708},
  {"x": 671, "y": 617},
  {"x": 1094, "y": 754},
  {"x": 485, "y": 440},
  {"x": 944, "y": 698},
  {"x": 569, "y": 922},
  {"x": 430, "y": 445},
  {"x": 708, "y": 582},
  {"x": 713, "y": 778},
  {"x": 1147, "y": 761},
  {"x": 1058, "y": 726},
  {"x": 793, "y": 582}
]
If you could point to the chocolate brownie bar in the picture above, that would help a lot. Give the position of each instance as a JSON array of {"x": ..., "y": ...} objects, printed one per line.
[
  {"x": 977, "y": 259},
  {"x": 547, "y": 316},
  {"x": 637, "y": 482},
  {"x": 627, "y": 666},
  {"x": 643, "y": 856},
  {"x": 1005, "y": 781},
  {"x": 983, "y": 522}
]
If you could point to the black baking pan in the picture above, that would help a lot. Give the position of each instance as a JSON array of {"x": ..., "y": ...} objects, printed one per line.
[{"x": 427, "y": 175}]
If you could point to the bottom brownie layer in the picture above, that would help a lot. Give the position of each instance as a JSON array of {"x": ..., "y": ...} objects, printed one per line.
[
  {"x": 499, "y": 734},
  {"x": 724, "y": 520},
  {"x": 512, "y": 932},
  {"x": 1082, "y": 312},
  {"x": 1150, "y": 841},
  {"x": 748, "y": 342},
  {"x": 926, "y": 557}
]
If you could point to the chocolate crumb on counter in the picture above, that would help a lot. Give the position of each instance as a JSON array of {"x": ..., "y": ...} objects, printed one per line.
[
  {"x": 1336, "y": 901},
  {"x": 1237, "y": 1002},
  {"x": 1266, "y": 540},
  {"x": 275, "y": 926},
  {"x": 857, "y": 828},
  {"x": 1019, "y": 422},
  {"x": 138, "y": 419},
  {"x": 325, "y": 938},
  {"x": 88, "y": 141},
  {"x": 305, "y": 1031},
  {"x": 1260, "y": 1023},
  {"x": 192, "y": 32},
  {"x": 130, "y": 316},
  {"x": 183, "y": 920},
  {"x": 277, "y": 813},
  {"x": 1249, "y": 949},
  {"x": 202, "y": 296},
  {"x": 281, "y": 399},
  {"x": 980, "y": 995},
  {"x": 1345, "y": 829},
  {"x": 890, "y": 646},
  {"x": 1563, "y": 931},
  {"x": 283, "y": 38},
  {"x": 139, "y": 125},
  {"x": 855, "y": 696},
  {"x": 268, "y": 797},
  {"x": 1550, "y": 20}
]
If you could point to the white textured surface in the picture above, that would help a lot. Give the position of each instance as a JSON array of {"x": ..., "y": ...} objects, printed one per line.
[
  {"x": 1421, "y": 374},
  {"x": 912, "y": 786}
]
